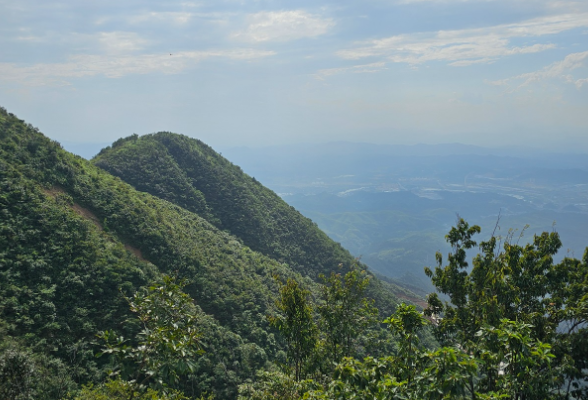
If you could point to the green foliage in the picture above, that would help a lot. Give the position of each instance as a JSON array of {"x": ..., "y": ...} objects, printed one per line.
[
  {"x": 16, "y": 375},
  {"x": 167, "y": 344},
  {"x": 346, "y": 314},
  {"x": 72, "y": 237},
  {"x": 367, "y": 379},
  {"x": 149, "y": 167},
  {"x": 520, "y": 366},
  {"x": 275, "y": 385},
  {"x": 75, "y": 241},
  {"x": 348, "y": 321},
  {"x": 228, "y": 361},
  {"x": 295, "y": 322},
  {"x": 25, "y": 375},
  {"x": 509, "y": 364},
  {"x": 406, "y": 323},
  {"x": 446, "y": 373},
  {"x": 118, "y": 389},
  {"x": 60, "y": 278},
  {"x": 515, "y": 329},
  {"x": 190, "y": 174},
  {"x": 518, "y": 283}
]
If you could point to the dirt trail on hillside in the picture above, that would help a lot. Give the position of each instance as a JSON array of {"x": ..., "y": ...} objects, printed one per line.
[{"x": 89, "y": 215}]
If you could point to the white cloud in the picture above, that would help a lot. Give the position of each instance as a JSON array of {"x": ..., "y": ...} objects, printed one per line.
[
  {"x": 557, "y": 70},
  {"x": 442, "y": 1},
  {"x": 175, "y": 17},
  {"x": 358, "y": 69},
  {"x": 580, "y": 82},
  {"x": 467, "y": 63},
  {"x": 121, "y": 42},
  {"x": 116, "y": 66},
  {"x": 554, "y": 4},
  {"x": 467, "y": 46},
  {"x": 283, "y": 26}
]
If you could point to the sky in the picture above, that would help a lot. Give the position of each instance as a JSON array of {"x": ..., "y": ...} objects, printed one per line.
[{"x": 259, "y": 73}]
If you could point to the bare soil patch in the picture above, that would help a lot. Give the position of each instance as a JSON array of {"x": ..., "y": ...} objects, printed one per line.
[
  {"x": 136, "y": 252},
  {"x": 84, "y": 212}
]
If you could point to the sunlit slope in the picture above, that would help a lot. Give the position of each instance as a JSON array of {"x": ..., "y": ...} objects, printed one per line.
[
  {"x": 74, "y": 239},
  {"x": 230, "y": 281},
  {"x": 190, "y": 174}
]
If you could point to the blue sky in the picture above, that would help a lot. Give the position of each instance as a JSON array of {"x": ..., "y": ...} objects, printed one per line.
[{"x": 234, "y": 73}]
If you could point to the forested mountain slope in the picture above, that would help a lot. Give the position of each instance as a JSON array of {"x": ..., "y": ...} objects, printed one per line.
[
  {"x": 72, "y": 236},
  {"x": 191, "y": 175},
  {"x": 75, "y": 240}
]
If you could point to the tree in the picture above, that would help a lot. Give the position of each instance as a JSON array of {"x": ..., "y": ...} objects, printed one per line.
[
  {"x": 16, "y": 375},
  {"x": 295, "y": 322},
  {"x": 515, "y": 328},
  {"x": 516, "y": 284},
  {"x": 270, "y": 385},
  {"x": 345, "y": 312},
  {"x": 167, "y": 344},
  {"x": 27, "y": 375},
  {"x": 507, "y": 363},
  {"x": 406, "y": 323},
  {"x": 118, "y": 389}
]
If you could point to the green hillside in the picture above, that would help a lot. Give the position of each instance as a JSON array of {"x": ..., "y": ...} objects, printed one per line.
[
  {"x": 73, "y": 236},
  {"x": 110, "y": 292},
  {"x": 191, "y": 175},
  {"x": 76, "y": 240}
]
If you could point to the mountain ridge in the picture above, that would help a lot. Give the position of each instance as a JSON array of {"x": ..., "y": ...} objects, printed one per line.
[
  {"x": 191, "y": 175},
  {"x": 76, "y": 240}
]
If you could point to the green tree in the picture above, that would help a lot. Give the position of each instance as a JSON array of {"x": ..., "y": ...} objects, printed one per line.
[
  {"x": 166, "y": 346},
  {"x": 346, "y": 314},
  {"x": 521, "y": 283},
  {"x": 295, "y": 322},
  {"x": 27, "y": 375},
  {"x": 515, "y": 328},
  {"x": 385, "y": 378},
  {"x": 16, "y": 375},
  {"x": 270, "y": 385},
  {"x": 516, "y": 366},
  {"x": 406, "y": 323},
  {"x": 118, "y": 389}
]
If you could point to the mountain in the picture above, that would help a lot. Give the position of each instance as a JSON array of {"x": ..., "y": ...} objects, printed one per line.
[
  {"x": 75, "y": 240},
  {"x": 190, "y": 174}
]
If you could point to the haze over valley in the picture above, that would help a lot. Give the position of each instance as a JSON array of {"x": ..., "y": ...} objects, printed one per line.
[{"x": 393, "y": 205}]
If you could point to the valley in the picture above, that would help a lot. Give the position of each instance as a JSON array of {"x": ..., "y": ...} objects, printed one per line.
[{"x": 393, "y": 205}]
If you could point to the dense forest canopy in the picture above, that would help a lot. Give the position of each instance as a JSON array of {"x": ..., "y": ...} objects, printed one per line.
[
  {"x": 161, "y": 271},
  {"x": 76, "y": 241},
  {"x": 190, "y": 174}
]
